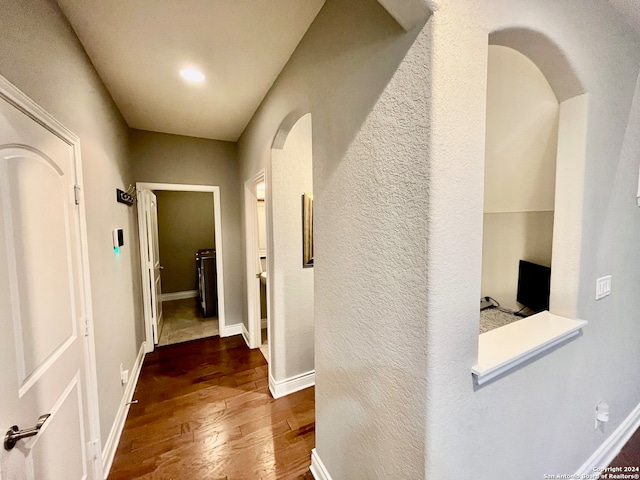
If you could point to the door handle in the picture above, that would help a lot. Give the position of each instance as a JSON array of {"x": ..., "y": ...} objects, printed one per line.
[
  {"x": 161, "y": 267},
  {"x": 14, "y": 433}
]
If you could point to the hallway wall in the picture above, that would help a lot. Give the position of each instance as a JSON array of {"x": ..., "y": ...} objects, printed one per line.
[
  {"x": 185, "y": 225},
  {"x": 539, "y": 417},
  {"x": 370, "y": 207},
  {"x": 405, "y": 265},
  {"x": 40, "y": 54},
  {"x": 163, "y": 158}
]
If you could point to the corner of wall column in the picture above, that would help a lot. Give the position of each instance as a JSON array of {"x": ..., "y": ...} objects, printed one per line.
[
  {"x": 408, "y": 13},
  {"x": 569, "y": 205}
]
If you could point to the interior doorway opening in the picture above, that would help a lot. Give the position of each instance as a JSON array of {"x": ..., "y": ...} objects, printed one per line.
[
  {"x": 289, "y": 196},
  {"x": 257, "y": 335},
  {"x": 286, "y": 290},
  {"x": 262, "y": 264},
  {"x": 194, "y": 303}
]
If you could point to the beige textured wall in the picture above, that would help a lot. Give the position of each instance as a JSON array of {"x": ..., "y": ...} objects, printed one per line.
[
  {"x": 538, "y": 418},
  {"x": 521, "y": 135},
  {"x": 366, "y": 84},
  {"x": 40, "y": 54},
  {"x": 164, "y": 158},
  {"x": 185, "y": 225},
  {"x": 508, "y": 238}
]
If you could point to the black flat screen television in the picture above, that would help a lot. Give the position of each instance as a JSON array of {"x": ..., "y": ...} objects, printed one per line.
[{"x": 534, "y": 285}]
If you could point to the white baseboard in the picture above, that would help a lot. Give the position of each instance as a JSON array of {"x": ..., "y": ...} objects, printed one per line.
[
  {"x": 167, "y": 297},
  {"x": 230, "y": 330},
  {"x": 292, "y": 384},
  {"x": 111, "y": 445},
  {"x": 318, "y": 470},
  {"x": 245, "y": 335},
  {"x": 605, "y": 454}
]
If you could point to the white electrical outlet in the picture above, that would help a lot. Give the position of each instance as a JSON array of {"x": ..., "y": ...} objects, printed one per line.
[
  {"x": 124, "y": 375},
  {"x": 603, "y": 287},
  {"x": 602, "y": 413}
]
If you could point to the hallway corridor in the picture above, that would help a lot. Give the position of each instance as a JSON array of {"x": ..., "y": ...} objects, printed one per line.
[{"x": 205, "y": 412}]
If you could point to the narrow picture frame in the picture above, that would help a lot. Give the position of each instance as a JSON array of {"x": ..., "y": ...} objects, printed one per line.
[{"x": 307, "y": 230}]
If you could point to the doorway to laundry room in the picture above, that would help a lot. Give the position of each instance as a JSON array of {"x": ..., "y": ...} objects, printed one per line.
[{"x": 181, "y": 250}]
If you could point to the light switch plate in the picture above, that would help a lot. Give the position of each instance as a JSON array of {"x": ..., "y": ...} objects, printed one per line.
[{"x": 603, "y": 287}]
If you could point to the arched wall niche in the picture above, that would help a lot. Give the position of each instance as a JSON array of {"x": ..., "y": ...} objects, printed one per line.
[
  {"x": 519, "y": 174},
  {"x": 556, "y": 66},
  {"x": 493, "y": 359},
  {"x": 546, "y": 54}
]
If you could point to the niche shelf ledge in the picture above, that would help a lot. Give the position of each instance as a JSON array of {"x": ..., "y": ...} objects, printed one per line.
[{"x": 506, "y": 347}]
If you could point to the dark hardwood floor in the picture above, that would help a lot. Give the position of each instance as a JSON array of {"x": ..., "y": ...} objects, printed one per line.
[
  {"x": 205, "y": 412},
  {"x": 629, "y": 456}
]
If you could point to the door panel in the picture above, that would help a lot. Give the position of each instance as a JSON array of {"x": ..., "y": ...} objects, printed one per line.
[
  {"x": 156, "y": 263},
  {"x": 153, "y": 263},
  {"x": 66, "y": 422},
  {"x": 42, "y": 352},
  {"x": 43, "y": 270}
]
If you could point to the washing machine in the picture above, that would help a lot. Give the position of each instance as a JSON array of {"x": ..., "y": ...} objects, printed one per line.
[{"x": 207, "y": 281}]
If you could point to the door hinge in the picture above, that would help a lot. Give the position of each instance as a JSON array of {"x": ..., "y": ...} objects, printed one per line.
[
  {"x": 86, "y": 327},
  {"x": 93, "y": 449},
  {"x": 76, "y": 193}
]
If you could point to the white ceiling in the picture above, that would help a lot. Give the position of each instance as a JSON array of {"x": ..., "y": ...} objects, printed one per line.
[{"x": 138, "y": 48}]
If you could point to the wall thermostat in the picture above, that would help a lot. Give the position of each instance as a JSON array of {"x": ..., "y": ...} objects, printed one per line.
[{"x": 118, "y": 239}]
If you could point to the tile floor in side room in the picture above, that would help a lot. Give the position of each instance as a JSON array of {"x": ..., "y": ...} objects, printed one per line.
[
  {"x": 183, "y": 321},
  {"x": 264, "y": 347}
]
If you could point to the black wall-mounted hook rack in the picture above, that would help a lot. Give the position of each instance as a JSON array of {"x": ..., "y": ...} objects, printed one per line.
[{"x": 128, "y": 197}]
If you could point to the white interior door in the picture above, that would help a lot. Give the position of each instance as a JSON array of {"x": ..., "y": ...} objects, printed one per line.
[
  {"x": 153, "y": 263},
  {"x": 43, "y": 349},
  {"x": 254, "y": 242},
  {"x": 262, "y": 229}
]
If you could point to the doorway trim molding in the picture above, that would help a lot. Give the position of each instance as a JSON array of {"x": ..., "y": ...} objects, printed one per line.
[
  {"x": 254, "y": 321},
  {"x": 217, "y": 212}
]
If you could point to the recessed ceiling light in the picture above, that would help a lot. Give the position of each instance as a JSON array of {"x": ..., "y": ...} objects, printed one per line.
[{"x": 192, "y": 75}]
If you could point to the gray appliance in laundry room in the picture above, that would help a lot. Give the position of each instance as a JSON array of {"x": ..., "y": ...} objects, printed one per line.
[{"x": 207, "y": 282}]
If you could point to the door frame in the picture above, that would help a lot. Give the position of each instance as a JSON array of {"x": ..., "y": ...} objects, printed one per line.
[
  {"x": 254, "y": 320},
  {"x": 22, "y": 102},
  {"x": 142, "y": 233},
  {"x": 145, "y": 204}
]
